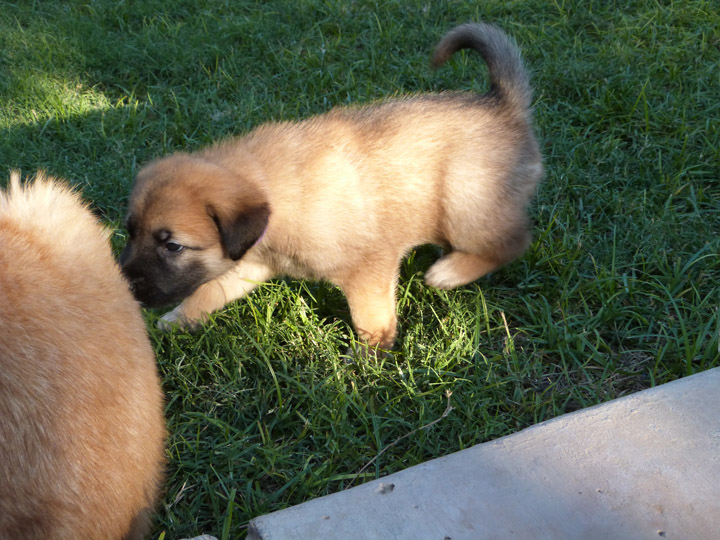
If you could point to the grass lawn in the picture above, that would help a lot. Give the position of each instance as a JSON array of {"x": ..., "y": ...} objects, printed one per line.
[{"x": 619, "y": 291}]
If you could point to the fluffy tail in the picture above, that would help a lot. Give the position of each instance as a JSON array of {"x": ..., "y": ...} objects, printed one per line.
[{"x": 509, "y": 81}]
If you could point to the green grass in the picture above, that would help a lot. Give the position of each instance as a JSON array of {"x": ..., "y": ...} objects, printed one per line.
[{"x": 619, "y": 291}]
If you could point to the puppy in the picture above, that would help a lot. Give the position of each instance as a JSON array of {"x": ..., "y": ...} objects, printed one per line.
[
  {"x": 343, "y": 197},
  {"x": 81, "y": 424}
]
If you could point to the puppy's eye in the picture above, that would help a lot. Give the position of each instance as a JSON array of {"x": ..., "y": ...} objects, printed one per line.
[{"x": 174, "y": 247}]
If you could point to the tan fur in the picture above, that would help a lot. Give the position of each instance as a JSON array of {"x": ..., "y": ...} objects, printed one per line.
[
  {"x": 350, "y": 192},
  {"x": 81, "y": 425}
]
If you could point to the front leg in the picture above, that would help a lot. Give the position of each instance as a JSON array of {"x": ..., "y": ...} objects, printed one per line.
[
  {"x": 370, "y": 292},
  {"x": 214, "y": 294}
]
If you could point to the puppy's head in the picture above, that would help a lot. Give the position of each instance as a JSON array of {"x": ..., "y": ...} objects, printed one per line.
[{"x": 188, "y": 221}]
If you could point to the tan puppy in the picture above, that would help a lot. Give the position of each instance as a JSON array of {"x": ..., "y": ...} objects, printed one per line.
[
  {"x": 81, "y": 425},
  {"x": 344, "y": 196}
]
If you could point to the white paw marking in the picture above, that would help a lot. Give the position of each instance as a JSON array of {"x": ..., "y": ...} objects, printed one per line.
[{"x": 174, "y": 319}]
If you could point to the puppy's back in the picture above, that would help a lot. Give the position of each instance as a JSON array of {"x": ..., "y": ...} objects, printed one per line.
[{"x": 81, "y": 430}]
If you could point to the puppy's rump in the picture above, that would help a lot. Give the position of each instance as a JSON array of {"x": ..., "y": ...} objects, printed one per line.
[{"x": 81, "y": 425}]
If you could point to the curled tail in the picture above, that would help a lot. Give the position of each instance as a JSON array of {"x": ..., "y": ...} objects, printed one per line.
[{"x": 509, "y": 80}]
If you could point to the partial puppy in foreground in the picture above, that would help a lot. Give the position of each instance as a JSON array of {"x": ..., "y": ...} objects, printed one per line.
[
  {"x": 344, "y": 196},
  {"x": 81, "y": 425}
]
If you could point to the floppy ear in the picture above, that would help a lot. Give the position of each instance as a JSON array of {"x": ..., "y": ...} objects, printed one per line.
[{"x": 241, "y": 231}]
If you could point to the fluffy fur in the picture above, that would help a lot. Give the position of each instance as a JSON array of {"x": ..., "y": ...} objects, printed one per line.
[
  {"x": 344, "y": 196},
  {"x": 81, "y": 426}
]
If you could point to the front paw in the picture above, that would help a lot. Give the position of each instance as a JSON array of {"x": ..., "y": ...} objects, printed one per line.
[{"x": 176, "y": 319}]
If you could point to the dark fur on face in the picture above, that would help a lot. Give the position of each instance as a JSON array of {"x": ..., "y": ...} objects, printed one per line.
[{"x": 155, "y": 278}]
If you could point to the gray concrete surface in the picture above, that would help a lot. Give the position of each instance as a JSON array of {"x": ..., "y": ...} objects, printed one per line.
[{"x": 643, "y": 466}]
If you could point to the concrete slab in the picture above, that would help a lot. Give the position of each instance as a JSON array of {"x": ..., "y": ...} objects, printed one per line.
[{"x": 643, "y": 466}]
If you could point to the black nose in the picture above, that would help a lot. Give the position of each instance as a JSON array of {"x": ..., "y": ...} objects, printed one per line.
[{"x": 136, "y": 283}]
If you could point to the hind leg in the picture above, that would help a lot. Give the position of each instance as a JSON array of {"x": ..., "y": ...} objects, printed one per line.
[
  {"x": 461, "y": 267},
  {"x": 458, "y": 268}
]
